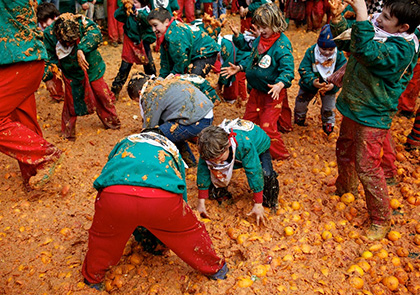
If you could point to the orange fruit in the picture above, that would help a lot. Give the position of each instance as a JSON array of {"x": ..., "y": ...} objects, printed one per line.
[
  {"x": 347, "y": 198},
  {"x": 394, "y": 235},
  {"x": 356, "y": 282},
  {"x": 391, "y": 282}
]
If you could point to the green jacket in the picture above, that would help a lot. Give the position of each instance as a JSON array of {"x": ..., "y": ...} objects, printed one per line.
[
  {"x": 90, "y": 38},
  {"x": 20, "y": 40},
  {"x": 230, "y": 54},
  {"x": 274, "y": 66},
  {"x": 136, "y": 27},
  {"x": 308, "y": 72},
  {"x": 138, "y": 163},
  {"x": 182, "y": 44},
  {"x": 170, "y": 5},
  {"x": 376, "y": 74},
  {"x": 250, "y": 145}
]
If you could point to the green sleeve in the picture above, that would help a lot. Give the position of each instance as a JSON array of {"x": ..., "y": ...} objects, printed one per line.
[
  {"x": 307, "y": 75},
  {"x": 337, "y": 29},
  {"x": 120, "y": 15},
  {"x": 179, "y": 48},
  {"x": 173, "y": 5},
  {"x": 203, "y": 175},
  {"x": 49, "y": 42},
  {"x": 255, "y": 4},
  {"x": 165, "y": 68},
  {"x": 240, "y": 43},
  {"x": 91, "y": 36},
  {"x": 252, "y": 165},
  {"x": 286, "y": 66}
]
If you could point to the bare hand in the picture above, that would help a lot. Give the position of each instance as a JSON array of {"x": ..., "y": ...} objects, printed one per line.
[
  {"x": 359, "y": 7},
  {"x": 51, "y": 87},
  {"x": 235, "y": 29},
  {"x": 201, "y": 208},
  {"x": 254, "y": 31},
  {"x": 275, "y": 90},
  {"x": 317, "y": 84},
  {"x": 336, "y": 8},
  {"x": 85, "y": 6},
  {"x": 259, "y": 212},
  {"x": 230, "y": 71},
  {"x": 81, "y": 59}
]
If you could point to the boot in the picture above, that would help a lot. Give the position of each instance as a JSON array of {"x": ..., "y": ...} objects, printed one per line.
[
  {"x": 271, "y": 191},
  {"x": 219, "y": 194}
]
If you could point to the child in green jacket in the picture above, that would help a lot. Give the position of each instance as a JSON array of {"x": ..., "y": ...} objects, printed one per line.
[
  {"x": 138, "y": 36},
  {"x": 72, "y": 42},
  {"x": 182, "y": 45},
  {"x": 383, "y": 54},
  {"x": 231, "y": 145}
]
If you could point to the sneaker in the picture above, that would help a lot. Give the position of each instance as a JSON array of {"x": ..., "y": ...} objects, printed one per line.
[
  {"x": 407, "y": 114},
  {"x": 377, "y": 232},
  {"x": 221, "y": 274},
  {"x": 410, "y": 147},
  {"x": 300, "y": 121},
  {"x": 98, "y": 286},
  {"x": 328, "y": 128},
  {"x": 391, "y": 181},
  {"x": 44, "y": 174}
]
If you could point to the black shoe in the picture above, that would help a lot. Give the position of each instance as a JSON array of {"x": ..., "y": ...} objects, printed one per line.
[
  {"x": 219, "y": 194},
  {"x": 407, "y": 114},
  {"x": 116, "y": 91},
  {"x": 328, "y": 128},
  {"x": 97, "y": 286},
  {"x": 300, "y": 121}
]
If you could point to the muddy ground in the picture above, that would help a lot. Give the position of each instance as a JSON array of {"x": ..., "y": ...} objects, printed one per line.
[{"x": 43, "y": 234}]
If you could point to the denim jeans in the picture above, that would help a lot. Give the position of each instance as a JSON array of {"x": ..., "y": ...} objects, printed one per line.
[
  {"x": 218, "y": 8},
  {"x": 182, "y": 133},
  {"x": 266, "y": 164}
]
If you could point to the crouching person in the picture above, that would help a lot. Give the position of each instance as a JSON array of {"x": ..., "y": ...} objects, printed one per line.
[
  {"x": 143, "y": 184},
  {"x": 231, "y": 145}
]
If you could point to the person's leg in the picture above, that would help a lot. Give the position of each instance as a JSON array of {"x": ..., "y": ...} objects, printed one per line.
[
  {"x": 149, "y": 68},
  {"x": 114, "y": 221},
  {"x": 208, "y": 8},
  {"x": 181, "y": 4},
  {"x": 284, "y": 123},
  {"x": 347, "y": 180},
  {"x": 178, "y": 228},
  {"x": 189, "y": 10},
  {"x": 178, "y": 134},
  {"x": 68, "y": 116},
  {"x": 369, "y": 142},
  {"x": 413, "y": 139},
  {"x": 58, "y": 83},
  {"x": 407, "y": 101},
  {"x": 269, "y": 115},
  {"x": 271, "y": 183},
  {"x": 20, "y": 134},
  {"x": 252, "y": 110},
  {"x": 203, "y": 66},
  {"x": 230, "y": 93},
  {"x": 105, "y": 107},
  {"x": 243, "y": 92},
  {"x": 388, "y": 159},
  {"x": 301, "y": 106},
  {"x": 113, "y": 30},
  {"x": 327, "y": 113},
  {"x": 121, "y": 78}
]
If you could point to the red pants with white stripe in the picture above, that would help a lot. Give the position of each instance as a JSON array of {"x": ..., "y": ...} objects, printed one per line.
[
  {"x": 358, "y": 157},
  {"x": 188, "y": 5},
  {"x": 20, "y": 134},
  {"x": 265, "y": 112},
  {"x": 120, "y": 209}
]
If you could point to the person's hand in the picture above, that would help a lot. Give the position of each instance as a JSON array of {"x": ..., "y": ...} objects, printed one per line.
[
  {"x": 359, "y": 7},
  {"x": 85, "y": 6},
  {"x": 336, "y": 8},
  {"x": 254, "y": 31},
  {"x": 241, "y": 11},
  {"x": 94, "y": 2},
  {"x": 325, "y": 88},
  {"x": 317, "y": 84},
  {"x": 81, "y": 59},
  {"x": 259, "y": 212},
  {"x": 235, "y": 29},
  {"x": 201, "y": 208},
  {"x": 51, "y": 87},
  {"x": 275, "y": 90},
  {"x": 170, "y": 76},
  {"x": 230, "y": 71}
]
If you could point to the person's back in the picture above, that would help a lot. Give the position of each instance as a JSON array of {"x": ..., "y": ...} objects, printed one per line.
[{"x": 378, "y": 68}]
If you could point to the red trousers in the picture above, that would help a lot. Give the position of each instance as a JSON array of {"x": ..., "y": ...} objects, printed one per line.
[
  {"x": 20, "y": 133},
  {"x": 358, "y": 156},
  {"x": 208, "y": 8},
  {"x": 115, "y": 28},
  {"x": 314, "y": 14},
  {"x": 234, "y": 6},
  {"x": 103, "y": 104},
  {"x": 246, "y": 24},
  {"x": 237, "y": 89},
  {"x": 265, "y": 112},
  {"x": 407, "y": 101},
  {"x": 188, "y": 5},
  {"x": 164, "y": 214}
]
